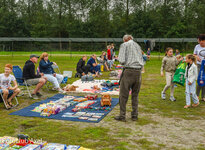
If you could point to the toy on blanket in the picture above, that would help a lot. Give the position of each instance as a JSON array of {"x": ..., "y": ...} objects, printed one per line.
[
  {"x": 98, "y": 108},
  {"x": 7, "y": 141},
  {"x": 31, "y": 147},
  {"x": 14, "y": 147},
  {"x": 55, "y": 107},
  {"x": 54, "y": 146},
  {"x": 3, "y": 146},
  {"x": 115, "y": 74},
  {"x": 91, "y": 97},
  {"x": 110, "y": 83},
  {"x": 23, "y": 142},
  {"x": 70, "y": 88},
  {"x": 80, "y": 99},
  {"x": 119, "y": 67},
  {"x": 106, "y": 100},
  {"x": 95, "y": 87},
  {"x": 82, "y": 105}
]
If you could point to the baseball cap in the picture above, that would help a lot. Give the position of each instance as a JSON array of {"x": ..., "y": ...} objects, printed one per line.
[{"x": 33, "y": 55}]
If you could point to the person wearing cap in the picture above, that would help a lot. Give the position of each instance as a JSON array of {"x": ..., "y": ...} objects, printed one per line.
[
  {"x": 130, "y": 56},
  {"x": 30, "y": 76}
]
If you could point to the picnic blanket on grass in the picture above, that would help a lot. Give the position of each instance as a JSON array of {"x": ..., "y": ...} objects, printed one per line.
[
  {"x": 86, "y": 87},
  {"x": 68, "y": 114}
]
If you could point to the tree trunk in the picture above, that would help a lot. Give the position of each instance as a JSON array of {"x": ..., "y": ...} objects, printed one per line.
[
  {"x": 60, "y": 22},
  {"x": 127, "y": 12}
]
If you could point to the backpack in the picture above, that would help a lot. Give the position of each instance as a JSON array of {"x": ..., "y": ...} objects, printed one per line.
[
  {"x": 65, "y": 79},
  {"x": 201, "y": 76},
  {"x": 87, "y": 78},
  {"x": 179, "y": 76}
]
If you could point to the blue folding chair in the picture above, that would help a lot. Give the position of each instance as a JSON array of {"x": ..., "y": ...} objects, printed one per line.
[
  {"x": 10, "y": 93},
  {"x": 19, "y": 78}
]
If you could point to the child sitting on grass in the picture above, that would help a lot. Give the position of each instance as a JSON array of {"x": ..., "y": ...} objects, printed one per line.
[
  {"x": 169, "y": 64},
  {"x": 5, "y": 85},
  {"x": 191, "y": 77}
]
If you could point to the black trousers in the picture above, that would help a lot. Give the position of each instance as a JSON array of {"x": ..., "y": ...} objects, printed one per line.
[
  {"x": 85, "y": 69},
  {"x": 131, "y": 79}
]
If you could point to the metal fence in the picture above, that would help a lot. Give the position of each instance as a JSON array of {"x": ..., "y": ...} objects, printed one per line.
[{"x": 13, "y": 44}]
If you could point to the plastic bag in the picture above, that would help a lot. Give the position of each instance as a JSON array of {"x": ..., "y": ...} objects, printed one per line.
[{"x": 179, "y": 76}]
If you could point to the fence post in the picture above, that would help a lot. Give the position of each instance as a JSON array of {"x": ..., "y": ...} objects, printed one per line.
[
  {"x": 70, "y": 48},
  {"x": 159, "y": 50},
  {"x": 12, "y": 48}
]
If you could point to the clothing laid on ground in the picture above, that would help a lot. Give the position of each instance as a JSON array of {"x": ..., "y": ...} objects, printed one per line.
[
  {"x": 5, "y": 82},
  {"x": 29, "y": 71}
]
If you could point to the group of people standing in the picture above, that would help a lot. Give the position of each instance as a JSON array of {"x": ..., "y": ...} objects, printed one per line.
[{"x": 169, "y": 64}]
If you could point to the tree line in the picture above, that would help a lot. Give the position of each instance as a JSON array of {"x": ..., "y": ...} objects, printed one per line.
[{"x": 102, "y": 18}]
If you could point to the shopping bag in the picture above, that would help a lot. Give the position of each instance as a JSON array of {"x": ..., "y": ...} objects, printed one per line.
[
  {"x": 201, "y": 76},
  {"x": 179, "y": 76}
]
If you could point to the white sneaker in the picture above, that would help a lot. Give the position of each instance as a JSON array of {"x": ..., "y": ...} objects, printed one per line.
[
  {"x": 163, "y": 96},
  {"x": 61, "y": 91},
  {"x": 54, "y": 89},
  {"x": 172, "y": 98}
]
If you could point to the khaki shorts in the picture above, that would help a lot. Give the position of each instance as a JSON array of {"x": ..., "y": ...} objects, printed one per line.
[{"x": 33, "y": 81}]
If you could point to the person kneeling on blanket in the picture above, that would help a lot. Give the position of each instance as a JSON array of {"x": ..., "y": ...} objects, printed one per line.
[
  {"x": 45, "y": 67},
  {"x": 5, "y": 85},
  {"x": 81, "y": 68},
  {"x": 94, "y": 67}
]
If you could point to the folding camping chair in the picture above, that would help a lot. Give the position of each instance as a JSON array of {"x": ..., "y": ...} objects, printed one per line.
[
  {"x": 1, "y": 94},
  {"x": 19, "y": 78},
  {"x": 56, "y": 67}
]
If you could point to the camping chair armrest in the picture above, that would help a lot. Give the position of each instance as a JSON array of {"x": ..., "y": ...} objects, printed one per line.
[{"x": 20, "y": 78}]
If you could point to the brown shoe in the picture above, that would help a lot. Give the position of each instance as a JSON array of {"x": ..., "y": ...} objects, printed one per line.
[
  {"x": 187, "y": 106},
  {"x": 120, "y": 118},
  {"x": 195, "y": 105},
  {"x": 134, "y": 118}
]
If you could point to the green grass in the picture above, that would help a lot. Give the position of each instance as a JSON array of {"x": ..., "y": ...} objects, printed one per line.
[
  {"x": 74, "y": 53},
  {"x": 108, "y": 134}
]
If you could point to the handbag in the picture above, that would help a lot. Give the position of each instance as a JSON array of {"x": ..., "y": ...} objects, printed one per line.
[
  {"x": 87, "y": 78},
  {"x": 179, "y": 76},
  {"x": 201, "y": 76}
]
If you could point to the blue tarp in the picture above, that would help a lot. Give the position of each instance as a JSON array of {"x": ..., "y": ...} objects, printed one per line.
[{"x": 27, "y": 112}]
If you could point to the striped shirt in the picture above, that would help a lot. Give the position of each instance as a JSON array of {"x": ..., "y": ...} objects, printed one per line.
[{"x": 130, "y": 55}]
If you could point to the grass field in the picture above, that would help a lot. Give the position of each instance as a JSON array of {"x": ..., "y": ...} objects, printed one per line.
[
  {"x": 161, "y": 124},
  {"x": 72, "y": 53}
]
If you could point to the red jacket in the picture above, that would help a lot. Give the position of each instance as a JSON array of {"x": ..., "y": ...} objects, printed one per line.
[{"x": 108, "y": 54}]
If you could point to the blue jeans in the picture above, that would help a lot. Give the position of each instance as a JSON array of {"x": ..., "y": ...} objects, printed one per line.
[
  {"x": 191, "y": 91},
  {"x": 96, "y": 69}
]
